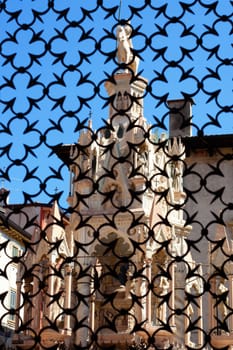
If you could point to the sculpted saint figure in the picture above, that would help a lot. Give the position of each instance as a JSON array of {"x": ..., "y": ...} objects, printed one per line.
[
  {"x": 222, "y": 306},
  {"x": 124, "y": 46},
  {"x": 163, "y": 290}
]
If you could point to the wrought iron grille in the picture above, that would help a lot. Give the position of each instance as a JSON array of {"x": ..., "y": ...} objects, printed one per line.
[{"x": 116, "y": 174}]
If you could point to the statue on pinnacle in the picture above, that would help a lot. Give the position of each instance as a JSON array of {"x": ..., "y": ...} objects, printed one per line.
[{"x": 124, "y": 48}]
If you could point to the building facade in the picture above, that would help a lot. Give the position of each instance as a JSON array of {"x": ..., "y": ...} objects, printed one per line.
[
  {"x": 42, "y": 275},
  {"x": 125, "y": 272},
  {"x": 12, "y": 243}
]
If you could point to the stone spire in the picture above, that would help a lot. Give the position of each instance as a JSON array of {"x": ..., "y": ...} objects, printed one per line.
[{"x": 126, "y": 89}]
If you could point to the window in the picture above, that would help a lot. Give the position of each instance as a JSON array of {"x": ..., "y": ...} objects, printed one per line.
[
  {"x": 94, "y": 163},
  {"x": 120, "y": 131},
  {"x": 12, "y": 303},
  {"x": 15, "y": 251}
]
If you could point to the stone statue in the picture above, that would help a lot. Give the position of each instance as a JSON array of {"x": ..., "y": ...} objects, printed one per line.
[
  {"x": 177, "y": 176},
  {"x": 124, "y": 48},
  {"x": 162, "y": 286},
  {"x": 163, "y": 290},
  {"x": 223, "y": 304}
]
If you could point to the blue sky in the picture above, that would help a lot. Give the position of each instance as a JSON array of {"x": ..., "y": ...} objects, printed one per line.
[{"x": 35, "y": 93}]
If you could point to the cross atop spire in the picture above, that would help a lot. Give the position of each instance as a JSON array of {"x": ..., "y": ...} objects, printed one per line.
[
  {"x": 119, "y": 14},
  {"x": 90, "y": 119}
]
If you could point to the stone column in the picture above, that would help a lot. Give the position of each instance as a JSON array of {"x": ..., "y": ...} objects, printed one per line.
[
  {"x": 68, "y": 291},
  {"x": 51, "y": 292},
  {"x": 212, "y": 310},
  {"x": 164, "y": 287},
  {"x": 143, "y": 292},
  {"x": 187, "y": 334},
  {"x": 180, "y": 317},
  {"x": 172, "y": 290},
  {"x": 92, "y": 299},
  {"x": 36, "y": 301},
  {"x": 83, "y": 311},
  {"x": 230, "y": 278},
  {"x": 28, "y": 308},
  {"x": 138, "y": 309},
  {"x": 92, "y": 313},
  {"x": 148, "y": 298},
  {"x": 18, "y": 297},
  {"x": 200, "y": 322}
]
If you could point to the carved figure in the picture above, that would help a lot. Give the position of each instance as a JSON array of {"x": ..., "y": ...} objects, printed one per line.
[
  {"x": 108, "y": 315},
  {"x": 119, "y": 101},
  {"x": 177, "y": 176},
  {"x": 124, "y": 46},
  {"x": 193, "y": 284},
  {"x": 163, "y": 289},
  {"x": 222, "y": 305}
]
